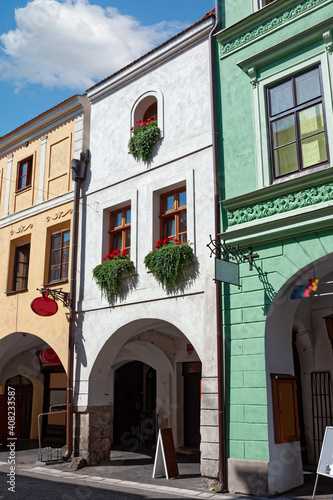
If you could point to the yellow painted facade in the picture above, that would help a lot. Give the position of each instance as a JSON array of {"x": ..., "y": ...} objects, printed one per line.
[{"x": 30, "y": 215}]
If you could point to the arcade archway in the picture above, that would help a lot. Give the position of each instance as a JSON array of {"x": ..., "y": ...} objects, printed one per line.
[
  {"x": 298, "y": 348},
  {"x": 31, "y": 367}
]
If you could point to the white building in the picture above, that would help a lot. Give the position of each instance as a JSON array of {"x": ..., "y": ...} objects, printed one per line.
[{"x": 150, "y": 357}]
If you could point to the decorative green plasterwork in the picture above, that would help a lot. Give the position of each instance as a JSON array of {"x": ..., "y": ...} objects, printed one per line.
[
  {"x": 274, "y": 206},
  {"x": 269, "y": 25}
]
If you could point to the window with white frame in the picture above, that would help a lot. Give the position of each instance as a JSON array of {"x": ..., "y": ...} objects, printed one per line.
[
  {"x": 120, "y": 229},
  {"x": 297, "y": 125},
  {"x": 263, "y": 3},
  {"x": 149, "y": 106}
]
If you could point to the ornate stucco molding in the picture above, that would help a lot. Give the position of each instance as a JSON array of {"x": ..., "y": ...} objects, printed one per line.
[
  {"x": 328, "y": 40},
  {"x": 21, "y": 229},
  {"x": 59, "y": 215},
  {"x": 269, "y": 25},
  {"x": 274, "y": 206}
]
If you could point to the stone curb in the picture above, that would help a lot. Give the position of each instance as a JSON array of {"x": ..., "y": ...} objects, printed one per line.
[{"x": 129, "y": 484}]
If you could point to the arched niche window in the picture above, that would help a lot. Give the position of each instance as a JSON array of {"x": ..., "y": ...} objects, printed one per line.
[{"x": 148, "y": 105}]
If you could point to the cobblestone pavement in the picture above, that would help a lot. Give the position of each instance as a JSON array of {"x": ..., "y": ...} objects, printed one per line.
[{"x": 134, "y": 470}]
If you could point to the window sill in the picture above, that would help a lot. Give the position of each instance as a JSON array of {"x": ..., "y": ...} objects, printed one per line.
[
  {"x": 14, "y": 292},
  {"x": 55, "y": 283},
  {"x": 22, "y": 190}
]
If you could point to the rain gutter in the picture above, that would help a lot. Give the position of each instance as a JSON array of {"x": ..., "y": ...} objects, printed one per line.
[
  {"x": 79, "y": 170},
  {"x": 223, "y": 483}
]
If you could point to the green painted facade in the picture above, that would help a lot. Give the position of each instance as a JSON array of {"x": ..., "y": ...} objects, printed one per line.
[{"x": 288, "y": 222}]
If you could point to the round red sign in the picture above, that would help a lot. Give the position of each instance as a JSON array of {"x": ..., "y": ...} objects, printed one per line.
[{"x": 43, "y": 306}]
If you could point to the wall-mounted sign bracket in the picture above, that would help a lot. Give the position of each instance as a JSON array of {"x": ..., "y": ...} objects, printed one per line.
[
  {"x": 56, "y": 294},
  {"x": 228, "y": 258}
]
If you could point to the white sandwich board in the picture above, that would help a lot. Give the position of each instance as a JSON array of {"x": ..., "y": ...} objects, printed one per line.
[{"x": 325, "y": 464}]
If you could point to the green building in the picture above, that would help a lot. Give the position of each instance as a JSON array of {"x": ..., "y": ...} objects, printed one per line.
[{"x": 275, "y": 68}]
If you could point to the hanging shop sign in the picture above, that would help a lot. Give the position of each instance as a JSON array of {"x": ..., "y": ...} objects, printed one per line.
[
  {"x": 43, "y": 306},
  {"x": 227, "y": 260},
  {"x": 228, "y": 272},
  {"x": 304, "y": 290},
  {"x": 49, "y": 358}
]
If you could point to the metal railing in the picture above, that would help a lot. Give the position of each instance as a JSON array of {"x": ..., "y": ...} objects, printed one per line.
[{"x": 54, "y": 454}]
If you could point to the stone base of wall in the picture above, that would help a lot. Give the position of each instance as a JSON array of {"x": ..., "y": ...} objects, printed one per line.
[
  {"x": 93, "y": 433},
  {"x": 249, "y": 477}
]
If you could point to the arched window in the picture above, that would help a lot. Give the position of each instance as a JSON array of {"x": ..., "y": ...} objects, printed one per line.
[{"x": 148, "y": 106}]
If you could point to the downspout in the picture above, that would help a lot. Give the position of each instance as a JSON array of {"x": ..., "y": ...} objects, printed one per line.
[
  {"x": 79, "y": 170},
  {"x": 223, "y": 484}
]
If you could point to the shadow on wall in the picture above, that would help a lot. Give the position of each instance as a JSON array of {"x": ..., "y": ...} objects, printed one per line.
[{"x": 269, "y": 290}]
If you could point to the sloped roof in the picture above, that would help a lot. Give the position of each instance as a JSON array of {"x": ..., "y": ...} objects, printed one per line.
[{"x": 208, "y": 15}]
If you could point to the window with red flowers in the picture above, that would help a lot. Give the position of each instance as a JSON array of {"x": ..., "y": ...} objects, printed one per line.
[
  {"x": 173, "y": 215},
  {"x": 151, "y": 112},
  {"x": 24, "y": 171},
  {"x": 120, "y": 229}
]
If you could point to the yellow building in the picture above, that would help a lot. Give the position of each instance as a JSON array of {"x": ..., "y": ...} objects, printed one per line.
[{"x": 36, "y": 212}]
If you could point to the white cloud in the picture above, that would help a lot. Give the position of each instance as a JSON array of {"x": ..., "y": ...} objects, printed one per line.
[{"x": 74, "y": 44}]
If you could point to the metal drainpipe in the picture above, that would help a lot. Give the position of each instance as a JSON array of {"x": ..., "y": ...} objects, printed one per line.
[
  {"x": 79, "y": 169},
  {"x": 223, "y": 484}
]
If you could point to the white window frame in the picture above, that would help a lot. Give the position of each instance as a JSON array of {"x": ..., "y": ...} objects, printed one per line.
[
  {"x": 262, "y": 145},
  {"x": 128, "y": 199},
  {"x": 258, "y": 4},
  {"x": 156, "y": 94},
  {"x": 162, "y": 186}
]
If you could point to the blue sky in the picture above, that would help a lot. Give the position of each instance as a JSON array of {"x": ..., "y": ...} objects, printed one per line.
[{"x": 53, "y": 49}]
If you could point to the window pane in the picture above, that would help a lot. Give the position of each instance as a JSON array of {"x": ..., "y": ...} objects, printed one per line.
[
  {"x": 55, "y": 258},
  {"x": 182, "y": 222},
  {"x": 56, "y": 241},
  {"x": 281, "y": 98},
  {"x": 64, "y": 271},
  {"x": 24, "y": 169},
  {"x": 182, "y": 199},
  {"x": 314, "y": 150},
  {"x": 66, "y": 238},
  {"x": 65, "y": 255},
  {"x": 55, "y": 274},
  {"x": 169, "y": 228},
  {"x": 285, "y": 160},
  {"x": 311, "y": 120},
  {"x": 127, "y": 239},
  {"x": 169, "y": 203},
  {"x": 21, "y": 268},
  {"x": 183, "y": 237},
  {"x": 117, "y": 220},
  {"x": 116, "y": 241},
  {"x": 128, "y": 216},
  {"x": 283, "y": 131},
  {"x": 308, "y": 86}
]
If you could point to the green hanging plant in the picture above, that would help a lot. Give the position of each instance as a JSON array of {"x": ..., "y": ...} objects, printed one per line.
[
  {"x": 108, "y": 275},
  {"x": 143, "y": 139},
  {"x": 168, "y": 262}
]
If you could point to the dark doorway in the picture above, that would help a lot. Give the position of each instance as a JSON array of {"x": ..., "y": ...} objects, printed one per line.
[
  {"x": 23, "y": 393},
  {"x": 192, "y": 391},
  {"x": 135, "y": 406}
]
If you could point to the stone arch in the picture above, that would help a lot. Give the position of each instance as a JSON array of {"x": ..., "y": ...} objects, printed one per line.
[
  {"x": 155, "y": 343},
  {"x": 19, "y": 356}
]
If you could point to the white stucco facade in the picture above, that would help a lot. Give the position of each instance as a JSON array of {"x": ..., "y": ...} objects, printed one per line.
[{"x": 162, "y": 331}]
